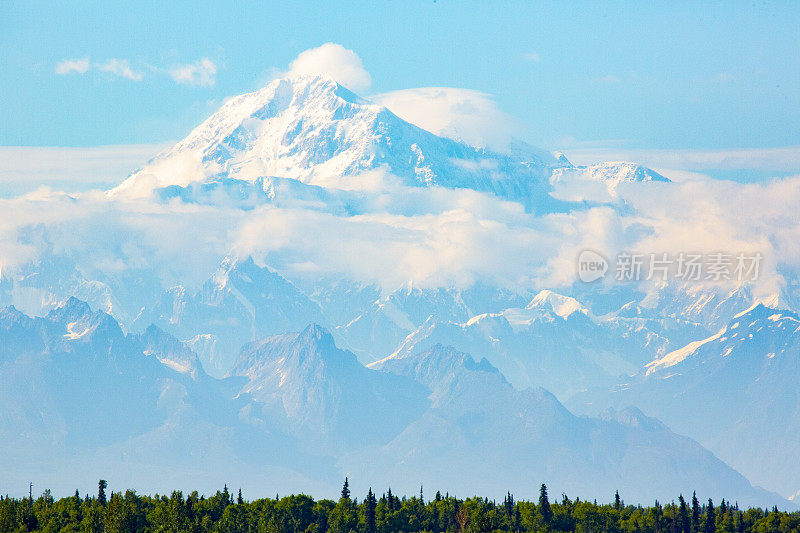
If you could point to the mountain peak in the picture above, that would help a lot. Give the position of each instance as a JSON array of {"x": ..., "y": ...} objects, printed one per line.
[
  {"x": 562, "y": 305},
  {"x": 316, "y": 335},
  {"x": 72, "y": 309},
  {"x": 170, "y": 351},
  {"x": 611, "y": 174},
  {"x": 314, "y": 131},
  {"x": 758, "y": 330},
  {"x": 438, "y": 364},
  {"x": 764, "y": 307},
  {"x": 308, "y": 352},
  {"x": 286, "y": 129}
]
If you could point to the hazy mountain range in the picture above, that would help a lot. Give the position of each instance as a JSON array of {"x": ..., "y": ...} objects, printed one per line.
[{"x": 262, "y": 377}]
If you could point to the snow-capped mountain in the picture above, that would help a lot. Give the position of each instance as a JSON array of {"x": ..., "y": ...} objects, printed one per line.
[
  {"x": 734, "y": 391},
  {"x": 611, "y": 172},
  {"x": 312, "y": 131},
  {"x": 40, "y": 286},
  {"x": 241, "y": 302},
  {"x": 531, "y": 437},
  {"x": 555, "y": 342},
  {"x": 600, "y": 182},
  {"x": 74, "y": 386},
  {"x": 138, "y": 387},
  {"x": 705, "y": 305},
  {"x": 380, "y": 329},
  {"x": 315, "y": 131}
]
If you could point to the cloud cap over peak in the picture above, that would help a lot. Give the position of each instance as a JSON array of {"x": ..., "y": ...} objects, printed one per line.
[
  {"x": 335, "y": 61},
  {"x": 462, "y": 114}
]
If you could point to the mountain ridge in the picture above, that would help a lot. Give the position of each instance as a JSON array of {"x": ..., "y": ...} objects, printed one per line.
[{"x": 296, "y": 403}]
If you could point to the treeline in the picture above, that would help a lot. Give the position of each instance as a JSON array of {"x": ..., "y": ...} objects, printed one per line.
[{"x": 388, "y": 513}]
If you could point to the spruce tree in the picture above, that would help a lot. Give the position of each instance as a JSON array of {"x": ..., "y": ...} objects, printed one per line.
[
  {"x": 369, "y": 512},
  {"x": 711, "y": 518},
  {"x": 658, "y": 515},
  {"x": 695, "y": 513},
  {"x": 683, "y": 515},
  {"x": 344, "y": 516},
  {"x": 617, "y": 501},
  {"x": 101, "y": 491},
  {"x": 544, "y": 505},
  {"x": 239, "y": 498},
  {"x": 508, "y": 503}
]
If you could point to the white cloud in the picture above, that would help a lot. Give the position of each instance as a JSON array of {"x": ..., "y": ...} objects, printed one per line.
[
  {"x": 392, "y": 234},
  {"x": 335, "y": 61},
  {"x": 26, "y": 168},
  {"x": 69, "y": 66},
  {"x": 532, "y": 56},
  {"x": 466, "y": 115},
  {"x": 201, "y": 73},
  {"x": 121, "y": 68},
  {"x": 785, "y": 159},
  {"x": 198, "y": 74},
  {"x": 431, "y": 236}
]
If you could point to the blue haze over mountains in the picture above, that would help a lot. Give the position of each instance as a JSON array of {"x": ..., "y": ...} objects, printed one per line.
[{"x": 274, "y": 382}]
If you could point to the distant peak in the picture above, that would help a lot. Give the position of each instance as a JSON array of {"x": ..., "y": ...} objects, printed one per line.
[
  {"x": 238, "y": 263},
  {"x": 560, "y": 304},
  {"x": 763, "y": 308},
  {"x": 305, "y": 85},
  {"x": 315, "y": 330},
  {"x": 316, "y": 334},
  {"x": 611, "y": 173},
  {"x": 618, "y": 171},
  {"x": 11, "y": 312},
  {"x": 452, "y": 355},
  {"x": 561, "y": 159},
  {"x": 71, "y": 309}
]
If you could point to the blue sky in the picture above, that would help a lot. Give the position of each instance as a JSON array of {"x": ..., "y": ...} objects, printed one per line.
[{"x": 632, "y": 75}]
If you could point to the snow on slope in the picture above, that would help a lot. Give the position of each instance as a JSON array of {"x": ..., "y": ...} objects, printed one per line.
[
  {"x": 600, "y": 182},
  {"x": 315, "y": 131},
  {"x": 676, "y": 356},
  {"x": 302, "y": 412},
  {"x": 611, "y": 172},
  {"x": 553, "y": 342},
  {"x": 240, "y": 302},
  {"x": 735, "y": 392},
  {"x": 532, "y": 437}
]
